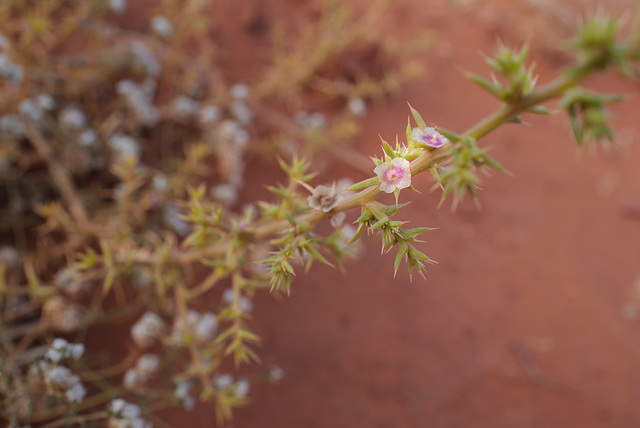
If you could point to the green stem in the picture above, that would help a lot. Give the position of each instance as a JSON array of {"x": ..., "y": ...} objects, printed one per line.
[{"x": 506, "y": 112}]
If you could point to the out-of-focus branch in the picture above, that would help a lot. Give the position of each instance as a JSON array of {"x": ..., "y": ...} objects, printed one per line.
[{"x": 61, "y": 178}]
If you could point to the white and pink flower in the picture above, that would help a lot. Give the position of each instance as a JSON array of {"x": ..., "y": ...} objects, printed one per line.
[
  {"x": 429, "y": 137},
  {"x": 393, "y": 175}
]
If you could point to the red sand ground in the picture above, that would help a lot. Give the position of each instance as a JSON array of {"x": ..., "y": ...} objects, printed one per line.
[{"x": 521, "y": 322}]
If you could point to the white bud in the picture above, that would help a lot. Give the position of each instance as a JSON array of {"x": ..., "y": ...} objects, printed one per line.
[
  {"x": 130, "y": 379},
  {"x": 209, "y": 115},
  {"x": 147, "y": 330},
  {"x": 161, "y": 26},
  {"x": 223, "y": 381},
  {"x": 242, "y": 388},
  {"x": 357, "y": 106},
  {"x": 123, "y": 145},
  {"x": 31, "y": 110},
  {"x": 206, "y": 327},
  {"x": 240, "y": 91},
  {"x": 72, "y": 119},
  {"x": 117, "y": 6},
  {"x": 87, "y": 138},
  {"x": 46, "y": 102},
  {"x": 63, "y": 314}
]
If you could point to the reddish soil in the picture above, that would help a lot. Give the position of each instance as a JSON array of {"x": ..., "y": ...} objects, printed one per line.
[{"x": 530, "y": 319}]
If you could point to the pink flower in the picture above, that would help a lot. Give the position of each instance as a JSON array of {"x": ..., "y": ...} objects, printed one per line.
[
  {"x": 394, "y": 175},
  {"x": 429, "y": 137}
]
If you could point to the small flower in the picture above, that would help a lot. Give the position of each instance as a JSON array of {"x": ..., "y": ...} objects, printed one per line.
[
  {"x": 31, "y": 110},
  {"x": 275, "y": 374},
  {"x": 131, "y": 412},
  {"x": 123, "y": 145},
  {"x": 60, "y": 381},
  {"x": 429, "y": 137},
  {"x": 184, "y": 107},
  {"x": 209, "y": 115},
  {"x": 182, "y": 394},
  {"x": 63, "y": 314},
  {"x": 324, "y": 198},
  {"x": 61, "y": 350},
  {"x": 172, "y": 219},
  {"x": 59, "y": 376},
  {"x": 311, "y": 121},
  {"x": 162, "y": 26},
  {"x": 223, "y": 381},
  {"x": 242, "y": 388},
  {"x": 148, "y": 87},
  {"x": 147, "y": 365},
  {"x": 72, "y": 119},
  {"x": 246, "y": 305},
  {"x": 141, "y": 278},
  {"x": 346, "y": 235},
  {"x": 130, "y": 379},
  {"x": 224, "y": 193},
  {"x": 125, "y": 415},
  {"x": 145, "y": 369},
  {"x": 343, "y": 185},
  {"x": 144, "y": 60},
  {"x": 46, "y": 102},
  {"x": 10, "y": 71},
  {"x": 138, "y": 99},
  {"x": 87, "y": 138},
  {"x": 9, "y": 257},
  {"x": 160, "y": 182},
  {"x": 357, "y": 107},
  {"x": 76, "y": 393},
  {"x": 231, "y": 131},
  {"x": 180, "y": 326},
  {"x": 240, "y": 91},
  {"x": 70, "y": 281},
  {"x": 59, "y": 343},
  {"x": 394, "y": 175},
  {"x": 117, "y": 406},
  {"x": 202, "y": 326},
  {"x": 337, "y": 219},
  {"x": 126, "y": 88},
  {"x": 242, "y": 112},
  {"x": 12, "y": 126},
  {"x": 206, "y": 327},
  {"x": 147, "y": 330},
  {"x": 117, "y": 6}
]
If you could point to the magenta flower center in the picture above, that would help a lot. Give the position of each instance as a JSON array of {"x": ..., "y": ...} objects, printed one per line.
[
  {"x": 393, "y": 176},
  {"x": 432, "y": 140},
  {"x": 429, "y": 136}
]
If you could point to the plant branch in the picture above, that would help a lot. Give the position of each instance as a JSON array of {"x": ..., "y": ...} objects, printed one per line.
[
  {"x": 506, "y": 112},
  {"x": 60, "y": 176}
]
